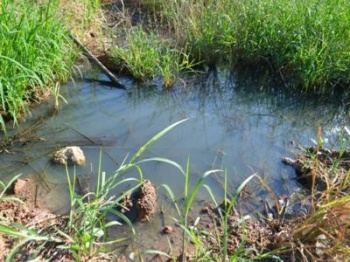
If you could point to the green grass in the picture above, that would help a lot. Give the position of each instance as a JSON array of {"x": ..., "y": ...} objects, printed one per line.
[
  {"x": 5, "y": 187},
  {"x": 87, "y": 230},
  {"x": 306, "y": 43},
  {"x": 146, "y": 56},
  {"x": 35, "y": 51},
  {"x": 308, "y": 40}
]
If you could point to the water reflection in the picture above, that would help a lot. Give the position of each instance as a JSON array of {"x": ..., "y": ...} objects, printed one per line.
[{"x": 235, "y": 123}]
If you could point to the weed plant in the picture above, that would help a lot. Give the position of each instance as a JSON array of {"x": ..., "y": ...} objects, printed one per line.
[
  {"x": 88, "y": 225},
  {"x": 35, "y": 51}
]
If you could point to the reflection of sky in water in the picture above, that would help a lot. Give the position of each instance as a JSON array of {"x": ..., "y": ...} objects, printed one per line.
[{"x": 239, "y": 128}]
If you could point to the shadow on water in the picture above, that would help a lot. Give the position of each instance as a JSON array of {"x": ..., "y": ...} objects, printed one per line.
[{"x": 239, "y": 123}]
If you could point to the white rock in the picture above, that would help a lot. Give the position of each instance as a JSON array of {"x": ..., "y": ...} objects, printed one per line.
[{"x": 70, "y": 155}]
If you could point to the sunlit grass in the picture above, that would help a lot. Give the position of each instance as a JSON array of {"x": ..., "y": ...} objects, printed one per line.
[
  {"x": 35, "y": 51},
  {"x": 305, "y": 43},
  {"x": 146, "y": 56}
]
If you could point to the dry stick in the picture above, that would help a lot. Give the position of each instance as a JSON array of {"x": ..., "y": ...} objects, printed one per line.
[
  {"x": 109, "y": 74},
  {"x": 35, "y": 195}
]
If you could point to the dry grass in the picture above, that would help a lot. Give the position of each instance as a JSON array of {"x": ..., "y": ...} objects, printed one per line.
[{"x": 325, "y": 232}]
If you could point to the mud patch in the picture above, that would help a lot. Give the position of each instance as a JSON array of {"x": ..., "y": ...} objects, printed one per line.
[
  {"x": 140, "y": 205},
  {"x": 14, "y": 213},
  {"x": 243, "y": 231}
]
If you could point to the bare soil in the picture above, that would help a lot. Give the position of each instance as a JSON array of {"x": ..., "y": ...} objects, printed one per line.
[{"x": 24, "y": 212}]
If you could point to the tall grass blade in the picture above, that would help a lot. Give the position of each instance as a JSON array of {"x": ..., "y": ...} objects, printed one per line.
[
  {"x": 187, "y": 177},
  {"x": 154, "y": 139},
  {"x": 5, "y": 187},
  {"x": 228, "y": 211},
  {"x": 173, "y": 199},
  {"x": 196, "y": 188},
  {"x": 162, "y": 160}
]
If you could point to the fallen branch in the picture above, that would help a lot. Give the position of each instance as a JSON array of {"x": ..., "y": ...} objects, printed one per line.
[{"x": 104, "y": 69}]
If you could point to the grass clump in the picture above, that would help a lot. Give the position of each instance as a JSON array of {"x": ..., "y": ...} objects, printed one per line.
[
  {"x": 323, "y": 233},
  {"x": 206, "y": 27},
  {"x": 146, "y": 56},
  {"x": 305, "y": 40},
  {"x": 35, "y": 51},
  {"x": 305, "y": 43}
]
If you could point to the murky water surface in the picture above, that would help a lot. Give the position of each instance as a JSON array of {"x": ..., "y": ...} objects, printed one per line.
[{"x": 233, "y": 124}]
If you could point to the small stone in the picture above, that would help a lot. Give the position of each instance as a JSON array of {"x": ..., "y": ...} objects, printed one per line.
[
  {"x": 71, "y": 155},
  {"x": 167, "y": 230},
  {"x": 205, "y": 210},
  {"x": 321, "y": 245},
  {"x": 19, "y": 185},
  {"x": 225, "y": 204}
]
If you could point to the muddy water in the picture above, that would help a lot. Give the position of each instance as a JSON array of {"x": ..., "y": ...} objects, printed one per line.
[{"x": 235, "y": 123}]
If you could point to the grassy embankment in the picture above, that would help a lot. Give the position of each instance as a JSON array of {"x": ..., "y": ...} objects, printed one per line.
[
  {"x": 305, "y": 43},
  {"x": 36, "y": 51}
]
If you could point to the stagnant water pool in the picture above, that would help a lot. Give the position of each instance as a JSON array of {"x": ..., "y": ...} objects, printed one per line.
[{"x": 234, "y": 123}]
